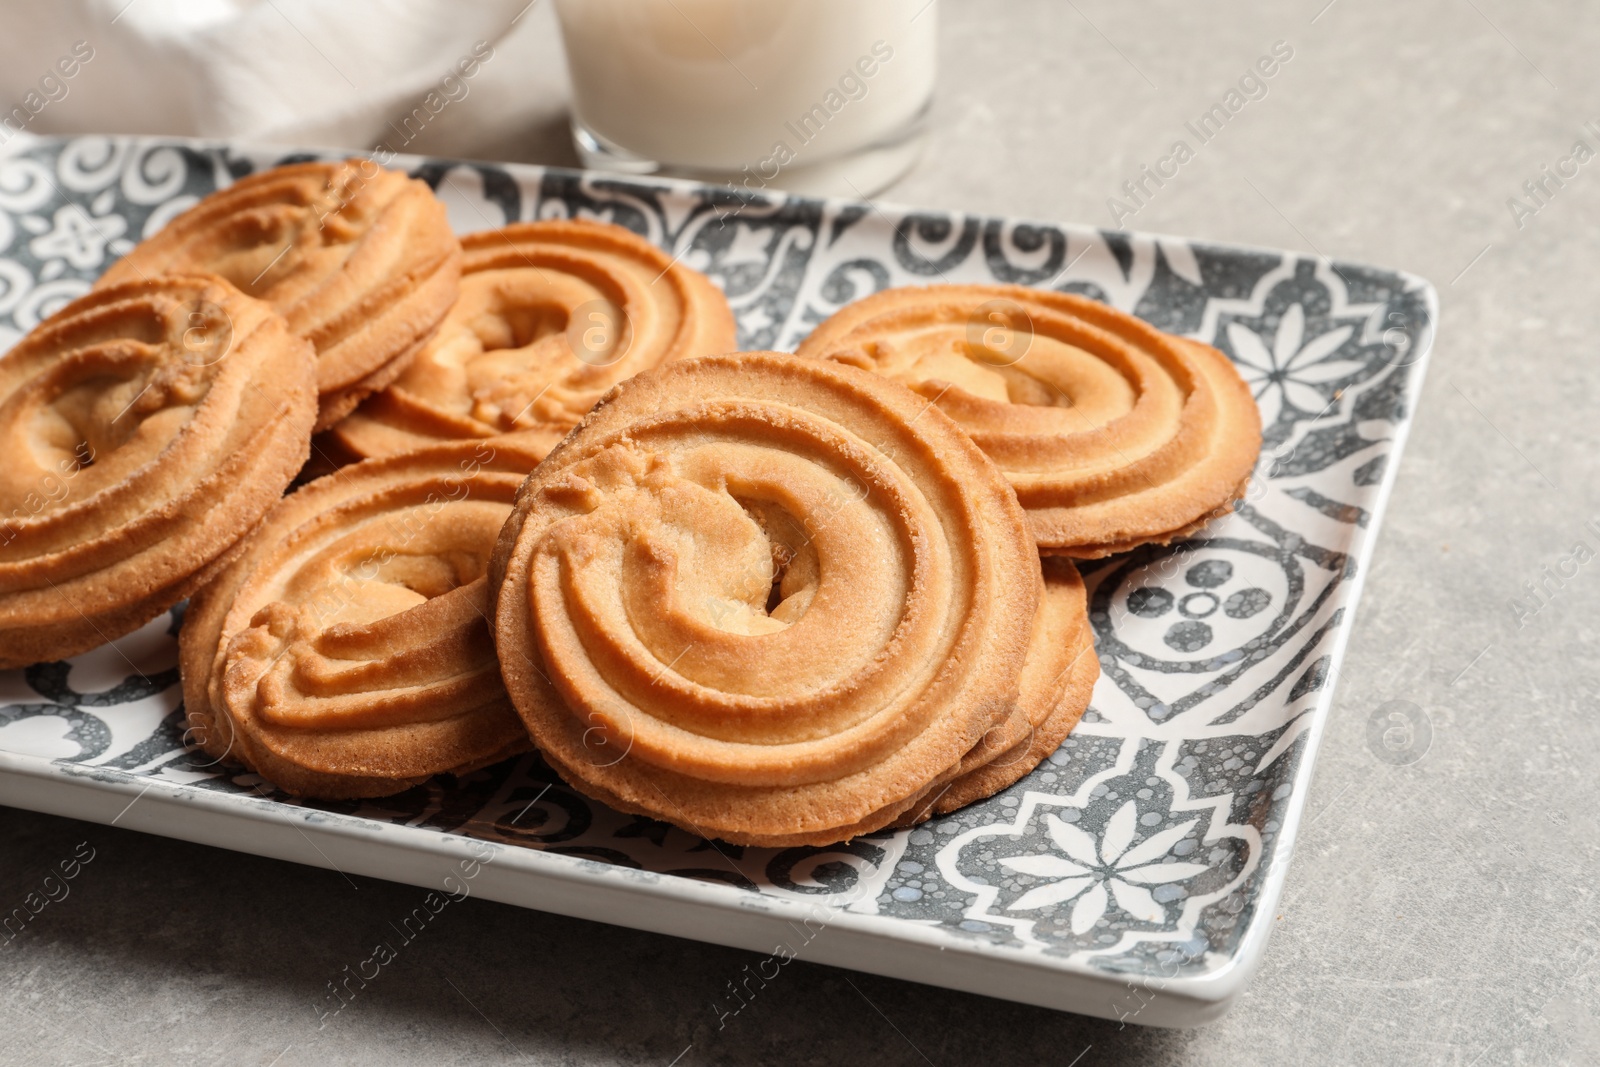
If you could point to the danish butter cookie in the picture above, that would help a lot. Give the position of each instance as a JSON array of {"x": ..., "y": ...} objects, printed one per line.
[
  {"x": 765, "y": 598},
  {"x": 359, "y": 259},
  {"x": 147, "y": 427},
  {"x": 346, "y": 652},
  {"x": 1113, "y": 433},
  {"x": 550, "y": 316}
]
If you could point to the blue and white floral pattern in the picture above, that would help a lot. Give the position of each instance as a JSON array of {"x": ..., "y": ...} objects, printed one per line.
[{"x": 1151, "y": 835}]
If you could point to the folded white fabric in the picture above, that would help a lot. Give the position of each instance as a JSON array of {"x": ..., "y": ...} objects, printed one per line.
[{"x": 286, "y": 71}]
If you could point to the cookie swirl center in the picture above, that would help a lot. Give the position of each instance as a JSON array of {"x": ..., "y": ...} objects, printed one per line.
[{"x": 375, "y": 614}]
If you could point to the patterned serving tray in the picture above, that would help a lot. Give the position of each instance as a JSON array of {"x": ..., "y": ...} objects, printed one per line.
[{"x": 1133, "y": 875}]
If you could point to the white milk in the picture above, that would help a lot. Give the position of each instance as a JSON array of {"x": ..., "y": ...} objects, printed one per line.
[{"x": 812, "y": 95}]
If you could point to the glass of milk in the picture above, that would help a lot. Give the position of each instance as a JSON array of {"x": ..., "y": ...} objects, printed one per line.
[{"x": 828, "y": 97}]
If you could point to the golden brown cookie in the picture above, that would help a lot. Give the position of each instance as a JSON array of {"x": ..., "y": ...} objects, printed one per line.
[
  {"x": 765, "y": 598},
  {"x": 146, "y": 427},
  {"x": 1113, "y": 433},
  {"x": 359, "y": 259},
  {"x": 345, "y": 652},
  {"x": 550, "y": 316}
]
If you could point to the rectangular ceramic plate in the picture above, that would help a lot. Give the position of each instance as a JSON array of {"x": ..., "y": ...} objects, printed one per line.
[{"x": 1168, "y": 816}]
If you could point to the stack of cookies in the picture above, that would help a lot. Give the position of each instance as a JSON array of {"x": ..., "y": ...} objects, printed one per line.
[{"x": 775, "y": 599}]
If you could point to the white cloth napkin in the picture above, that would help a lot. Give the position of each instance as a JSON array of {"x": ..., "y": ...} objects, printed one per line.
[{"x": 312, "y": 72}]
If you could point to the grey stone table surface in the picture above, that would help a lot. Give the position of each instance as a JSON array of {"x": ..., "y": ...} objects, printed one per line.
[{"x": 1437, "y": 911}]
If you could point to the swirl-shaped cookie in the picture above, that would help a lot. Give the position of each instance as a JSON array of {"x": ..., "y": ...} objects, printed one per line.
[
  {"x": 1113, "y": 433},
  {"x": 359, "y": 259},
  {"x": 147, "y": 427},
  {"x": 765, "y": 598},
  {"x": 346, "y": 651},
  {"x": 550, "y": 316}
]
